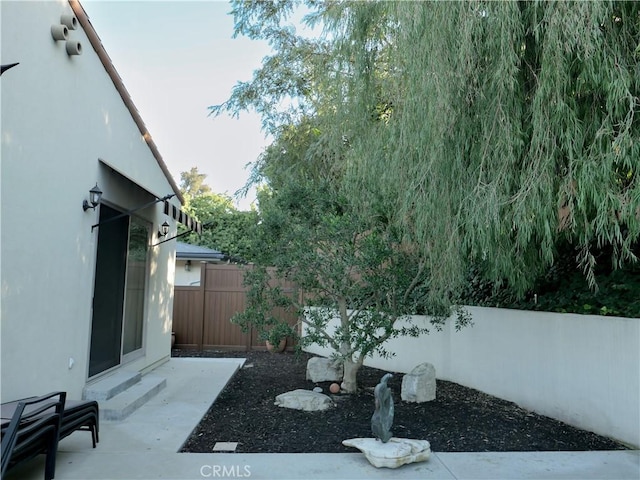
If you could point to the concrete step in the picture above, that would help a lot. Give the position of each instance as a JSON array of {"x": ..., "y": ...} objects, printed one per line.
[
  {"x": 110, "y": 386},
  {"x": 126, "y": 402}
]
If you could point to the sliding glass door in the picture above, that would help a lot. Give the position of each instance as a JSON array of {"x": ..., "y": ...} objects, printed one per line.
[
  {"x": 135, "y": 293},
  {"x": 117, "y": 326},
  {"x": 108, "y": 293}
]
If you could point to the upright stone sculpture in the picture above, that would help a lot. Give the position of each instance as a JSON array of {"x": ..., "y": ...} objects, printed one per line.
[
  {"x": 382, "y": 418},
  {"x": 391, "y": 452}
]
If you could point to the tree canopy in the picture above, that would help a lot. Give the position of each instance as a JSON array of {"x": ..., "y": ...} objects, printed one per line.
[
  {"x": 225, "y": 228},
  {"x": 192, "y": 183},
  {"x": 512, "y": 125},
  {"x": 486, "y": 132},
  {"x": 345, "y": 263}
]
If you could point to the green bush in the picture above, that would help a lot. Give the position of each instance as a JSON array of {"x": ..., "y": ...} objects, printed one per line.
[{"x": 563, "y": 288}]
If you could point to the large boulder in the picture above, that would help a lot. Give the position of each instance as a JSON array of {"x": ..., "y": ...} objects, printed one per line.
[
  {"x": 393, "y": 454},
  {"x": 419, "y": 385},
  {"x": 304, "y": 400},
  {"x": 324, "y": 370}
]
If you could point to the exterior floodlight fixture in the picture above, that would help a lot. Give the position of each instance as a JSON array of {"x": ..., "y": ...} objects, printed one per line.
[{"x": 95, "y": 194}]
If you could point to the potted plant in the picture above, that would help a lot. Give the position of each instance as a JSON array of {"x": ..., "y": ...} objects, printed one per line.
[{"x": 276, "y": 337}]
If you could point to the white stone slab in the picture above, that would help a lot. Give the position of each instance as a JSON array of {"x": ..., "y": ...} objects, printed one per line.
[
  {"x": 392, "y": 454},
  {"x": 225, "y": 446}
]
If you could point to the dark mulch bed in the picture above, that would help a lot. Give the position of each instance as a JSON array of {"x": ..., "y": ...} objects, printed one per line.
[{"x": 459, "y": 420}]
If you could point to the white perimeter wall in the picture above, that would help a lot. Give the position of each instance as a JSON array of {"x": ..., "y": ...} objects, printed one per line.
[{"x": 583, "y": 370}]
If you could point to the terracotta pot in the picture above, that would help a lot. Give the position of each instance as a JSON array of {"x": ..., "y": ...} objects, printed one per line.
[{"x": 278, "y": 348}]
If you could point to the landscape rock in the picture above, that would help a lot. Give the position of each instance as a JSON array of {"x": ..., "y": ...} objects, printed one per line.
[
  {"x": 419, "y": 385},
  {"x": 324, "y": 370},
  {"x": 317, "y": 389},
  {"x": 393, "y": 454},
  {"x": 304, "y": 400}
]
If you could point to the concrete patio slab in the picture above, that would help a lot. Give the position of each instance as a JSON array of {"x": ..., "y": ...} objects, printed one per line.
[
  {"x": 144, "y": 446},
  {"x": 596, "y": 465}
]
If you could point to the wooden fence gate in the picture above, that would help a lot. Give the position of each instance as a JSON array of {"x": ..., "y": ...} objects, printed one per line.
[{"x": 201, "y": 314}]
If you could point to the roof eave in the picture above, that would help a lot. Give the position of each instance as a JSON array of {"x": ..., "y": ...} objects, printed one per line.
[
  {"x": 96, "y": 43},
  {"x": 196, "y": 256}
]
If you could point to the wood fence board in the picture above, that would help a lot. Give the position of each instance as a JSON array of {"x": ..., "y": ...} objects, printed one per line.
[
  {"x": 219, "y": 308},
  {"x": 188, "y": 317},
  {"x": 201, "y": 314}
]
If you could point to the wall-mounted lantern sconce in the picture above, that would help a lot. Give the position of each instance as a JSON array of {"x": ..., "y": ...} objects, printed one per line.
[
  {"x": 164, "y": 230},
  {"x": 187, "y": 266},
  {"x": 95, "y": 194}
]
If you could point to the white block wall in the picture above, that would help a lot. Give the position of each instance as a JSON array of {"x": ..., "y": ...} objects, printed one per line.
[{"x": 583, "y": 370}]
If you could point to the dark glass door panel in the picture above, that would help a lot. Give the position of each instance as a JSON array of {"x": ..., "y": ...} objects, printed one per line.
[{"x": 108, "y": 295}]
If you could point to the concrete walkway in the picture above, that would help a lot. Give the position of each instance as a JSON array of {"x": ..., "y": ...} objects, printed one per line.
[{"x": 145, "y": 445}]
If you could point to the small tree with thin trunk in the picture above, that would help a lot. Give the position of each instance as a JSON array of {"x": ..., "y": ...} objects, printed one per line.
[{"x": 345, "y": 265}]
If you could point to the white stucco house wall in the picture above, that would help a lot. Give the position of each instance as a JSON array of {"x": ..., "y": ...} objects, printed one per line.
[
  {"x": 85, "y": 292},
  {"x": 189, "y": 263}
]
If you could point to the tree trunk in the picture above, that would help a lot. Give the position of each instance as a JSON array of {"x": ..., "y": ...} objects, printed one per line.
[
  {"x": 349, "y": 380},
  {"x": 351, "y": 367}
]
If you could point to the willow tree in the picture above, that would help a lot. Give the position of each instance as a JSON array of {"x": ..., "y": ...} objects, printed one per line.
[
  {"x": 494, "y": 129},
  {"x": 511, "y": 125}
]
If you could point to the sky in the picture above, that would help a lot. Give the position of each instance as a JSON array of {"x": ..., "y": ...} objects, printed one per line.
[{"x": 176, "y": 58}]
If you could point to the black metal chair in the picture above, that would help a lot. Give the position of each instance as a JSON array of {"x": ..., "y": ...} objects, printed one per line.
[
  {"x": 34, "y": 429},
  {"x": 77, "y": 415},
  {"x": 81, "y": 415}
]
